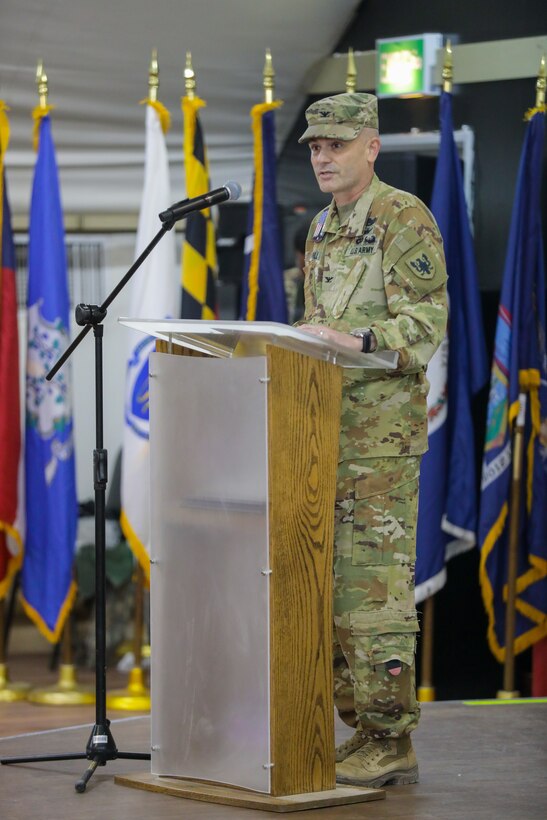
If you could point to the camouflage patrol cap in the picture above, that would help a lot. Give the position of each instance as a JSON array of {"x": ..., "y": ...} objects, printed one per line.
[{"x": 341, "y": 117}]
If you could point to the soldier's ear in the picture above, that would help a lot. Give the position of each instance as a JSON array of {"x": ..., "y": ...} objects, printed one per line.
[{"x": 373, "y": 149}]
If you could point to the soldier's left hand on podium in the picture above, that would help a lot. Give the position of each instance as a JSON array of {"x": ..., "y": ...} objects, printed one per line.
[{"x": 328, "y": 334}]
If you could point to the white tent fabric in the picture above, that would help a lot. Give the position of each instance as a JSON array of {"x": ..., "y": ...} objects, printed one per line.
[{"x": 96, "y": 56}]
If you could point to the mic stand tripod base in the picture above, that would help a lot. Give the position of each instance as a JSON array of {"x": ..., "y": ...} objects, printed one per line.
[
  {"x": 136, "y": 697},
  {"x": 66, "y": 692},
  {"x": 10, "y": 692}
]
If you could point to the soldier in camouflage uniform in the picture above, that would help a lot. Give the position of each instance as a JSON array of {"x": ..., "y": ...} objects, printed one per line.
[{"x": 375, "y": 280}]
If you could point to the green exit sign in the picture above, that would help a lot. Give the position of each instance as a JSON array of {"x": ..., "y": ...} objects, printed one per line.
[{"x": 404, "y": 65}]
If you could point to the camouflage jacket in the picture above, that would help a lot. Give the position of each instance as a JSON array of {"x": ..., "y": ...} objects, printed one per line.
[{"x": 383, "y": 268}]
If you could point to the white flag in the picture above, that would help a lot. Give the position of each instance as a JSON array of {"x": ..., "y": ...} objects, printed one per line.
[{"x": 155, "y": 294}]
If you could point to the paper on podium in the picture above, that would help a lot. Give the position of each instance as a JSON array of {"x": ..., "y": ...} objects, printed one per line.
[{"x": 231, "y": 339}]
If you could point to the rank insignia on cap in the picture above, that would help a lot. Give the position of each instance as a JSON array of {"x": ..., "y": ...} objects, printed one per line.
[{"x": 422, "y": 266}]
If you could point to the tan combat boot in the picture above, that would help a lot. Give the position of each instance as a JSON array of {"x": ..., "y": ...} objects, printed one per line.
[
  {"x": 378, "y": 763},
  {"x": 348, "y": 747}
]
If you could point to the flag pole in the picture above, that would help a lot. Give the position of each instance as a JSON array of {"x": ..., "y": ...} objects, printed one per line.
[
  {"x": 199, "y": 265},
  {"x": 508, "y": 690},
  {"x": 9, "y": 692},
  {"x": 426, "y": 690},
  {"x": 67, "y": 691},
  {"x": 189, "y": 77},
  {"x": 351, "y": 74},
  {"x": 136, "y": 696},
  {"x": 539, "y": 649},
  {"x": 268, "y": 78},
  {"x": 448, "y": 68},
  {"x": 541, "y": 83},
  {"x": 42, "y": 83}
]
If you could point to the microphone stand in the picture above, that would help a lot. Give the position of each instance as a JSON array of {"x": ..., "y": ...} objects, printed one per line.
[{"x": 101, "y": 746}]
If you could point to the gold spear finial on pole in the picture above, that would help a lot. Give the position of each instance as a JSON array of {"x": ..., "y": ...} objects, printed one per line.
[
  {"x": 41, "y": 82},
  {"x": 541, "y": 84},
  {"x": 189, "y": 77},
  {"x": 153, "y": 77},
  {"x": 351, "y": 75},
  {"x": 447, "y": 72},
  {"x": 268, "y": 76}
]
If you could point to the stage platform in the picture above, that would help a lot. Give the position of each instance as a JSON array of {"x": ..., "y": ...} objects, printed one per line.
[{"x": 486, "y": 762}]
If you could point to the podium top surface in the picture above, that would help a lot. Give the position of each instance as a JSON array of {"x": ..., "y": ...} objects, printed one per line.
[{"x": 230, "y": 339}]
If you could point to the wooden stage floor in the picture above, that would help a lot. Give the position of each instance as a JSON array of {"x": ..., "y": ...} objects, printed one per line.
[{"x": 477, "y": 762}]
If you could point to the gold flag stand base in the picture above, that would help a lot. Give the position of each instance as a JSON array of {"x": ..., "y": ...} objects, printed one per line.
[
  {"x": 66, "y": 692},
  {"x": 505, "y": 694},
  {"x": 136, "y": 697},
  {"x": 10, "y": 692},
  {"x": 426, "y": 694}
]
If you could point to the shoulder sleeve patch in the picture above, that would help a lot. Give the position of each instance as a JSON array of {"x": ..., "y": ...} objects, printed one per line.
[
  {"x": 421, "y": 264},
  {"x": 420, "y": 270}
]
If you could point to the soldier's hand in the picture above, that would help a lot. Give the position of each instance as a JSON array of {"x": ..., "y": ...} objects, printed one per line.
[{"x": 328, "y": 334}]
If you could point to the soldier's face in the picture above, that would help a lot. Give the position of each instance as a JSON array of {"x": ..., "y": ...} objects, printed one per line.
[{"x": 344, "y": 168}]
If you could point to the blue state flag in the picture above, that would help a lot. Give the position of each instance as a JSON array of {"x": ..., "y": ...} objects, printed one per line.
[
  {"x": 50, "y": 482},
  {"x": 448, "y": 504},
  {"x": 263, "y": 295},
  {"x": 518, "y": 385}
]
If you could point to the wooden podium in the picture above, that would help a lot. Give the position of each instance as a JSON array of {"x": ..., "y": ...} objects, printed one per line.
[{"x": 244, "y": 449}]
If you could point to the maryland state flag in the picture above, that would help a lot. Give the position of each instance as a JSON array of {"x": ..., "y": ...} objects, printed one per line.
[
  {"x": 448, "y": 508},
  {"x": 519, "y": 366},
  {"x": 50, "y": 477},
  {"x": 199, "y": 256},
  {"x": 263, "y": 295},
  {"x": 154, "y": 293},
  {"x": 10, "y": 420}
]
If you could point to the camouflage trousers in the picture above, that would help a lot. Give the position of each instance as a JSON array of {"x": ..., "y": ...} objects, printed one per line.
[{"x": 375, "y": 622}]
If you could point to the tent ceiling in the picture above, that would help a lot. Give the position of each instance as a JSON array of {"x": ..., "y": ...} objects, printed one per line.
[{"x": 96, "y": 56}]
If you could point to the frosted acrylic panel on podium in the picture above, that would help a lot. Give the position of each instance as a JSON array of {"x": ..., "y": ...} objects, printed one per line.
[
  {"x": 233, "y": 339},
  {"x": 209, "y": 570}
]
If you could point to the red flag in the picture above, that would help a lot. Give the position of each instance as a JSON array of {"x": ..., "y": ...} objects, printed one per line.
[{"x": 10, "y": 425}]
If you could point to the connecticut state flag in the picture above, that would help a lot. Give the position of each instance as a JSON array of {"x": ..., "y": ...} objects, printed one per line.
[
  {"x": 263, "y": 293},
  {"x": 518, "y": 383},
  {"x": 50, "y": 481}
]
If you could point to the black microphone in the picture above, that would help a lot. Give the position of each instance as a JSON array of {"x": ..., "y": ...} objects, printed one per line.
[{"x": 181, "y": 209}]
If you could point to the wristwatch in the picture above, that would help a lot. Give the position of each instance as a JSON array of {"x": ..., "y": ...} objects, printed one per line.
[{"x": 368, "y": 338}]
